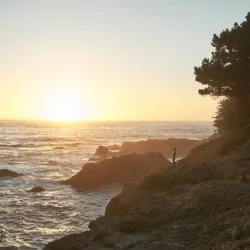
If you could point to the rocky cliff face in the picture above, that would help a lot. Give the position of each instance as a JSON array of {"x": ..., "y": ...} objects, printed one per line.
[
  {"x": 118, "y": 170},
  {"x": 200, "y": 204},
  {"x": 211, "y": 215}
]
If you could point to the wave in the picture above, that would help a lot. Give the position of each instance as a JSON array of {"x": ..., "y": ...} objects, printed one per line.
[
  {"x": 73, "y": 144},
  {"x": 64, "y": 146},
  {"x": 51, "y": 163},
  {"x": 57, "y": 163},
  {"x": 58, "y": 139},
  {"x": 36, "y": 145},
  {"x": 51, "y": 139},
  {"x": 18, "y": 145},
  {"x": 59, "y": 148}
]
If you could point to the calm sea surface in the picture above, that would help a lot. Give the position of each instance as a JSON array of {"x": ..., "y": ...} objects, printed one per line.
[{"x": 49, "y": 152}]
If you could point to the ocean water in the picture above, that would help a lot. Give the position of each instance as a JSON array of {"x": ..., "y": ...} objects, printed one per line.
[{"x": 49, "y": 152}]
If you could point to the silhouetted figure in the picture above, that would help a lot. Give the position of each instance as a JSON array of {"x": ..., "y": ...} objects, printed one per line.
[{"x": 174, "y": 156}]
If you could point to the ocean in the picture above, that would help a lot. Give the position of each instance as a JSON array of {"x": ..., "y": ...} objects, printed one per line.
[{"x": 47, "y": 152}]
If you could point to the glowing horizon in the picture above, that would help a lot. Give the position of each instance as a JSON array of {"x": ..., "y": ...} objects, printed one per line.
[{"x": 108, "y": 60}]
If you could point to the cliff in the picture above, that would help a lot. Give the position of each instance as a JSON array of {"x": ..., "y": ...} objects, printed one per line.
[
  {"x": 118, "y": 170},
  {"x": 201, "y": 204}
]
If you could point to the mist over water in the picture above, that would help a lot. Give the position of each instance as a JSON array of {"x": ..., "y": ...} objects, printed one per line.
[{"x": 49, "y": 152}]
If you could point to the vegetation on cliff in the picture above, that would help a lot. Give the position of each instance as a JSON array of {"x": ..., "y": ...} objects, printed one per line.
[{"x": 227, "y": 74}]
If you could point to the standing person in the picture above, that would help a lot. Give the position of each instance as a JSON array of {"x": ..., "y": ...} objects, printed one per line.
[{"x": 174, "y": 156}]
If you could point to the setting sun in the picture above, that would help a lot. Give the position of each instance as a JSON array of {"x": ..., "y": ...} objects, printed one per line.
[{"x": 65, "y": 107}]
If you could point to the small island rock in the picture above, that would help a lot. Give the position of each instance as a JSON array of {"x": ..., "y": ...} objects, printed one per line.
[
  {"x": 37, "y": 189},
  {"x": 8, "y": 173}
]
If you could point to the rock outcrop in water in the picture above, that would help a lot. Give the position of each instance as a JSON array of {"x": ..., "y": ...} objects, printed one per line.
[
  {"x": 165, "y": 147},
  {"x": 102, "y": 151},
  {"x": 118, "y": 170},
  {"x": 37, "y": 189},
  {"x": 199, "y": 205},
  {"x": 8, "y": 173}
]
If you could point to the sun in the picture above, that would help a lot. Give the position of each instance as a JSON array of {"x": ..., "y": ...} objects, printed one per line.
[{"x": 64, "y": 107}]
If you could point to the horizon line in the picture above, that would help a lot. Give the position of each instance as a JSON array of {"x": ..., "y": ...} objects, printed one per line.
[{"x": 77, "y": 121}]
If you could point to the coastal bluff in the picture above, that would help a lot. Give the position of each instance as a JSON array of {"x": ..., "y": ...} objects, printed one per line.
[
  {"x": 201, "y": 204},
  {"x": 120, "y": 170}
]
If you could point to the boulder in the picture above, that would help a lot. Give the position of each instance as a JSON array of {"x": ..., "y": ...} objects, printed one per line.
[
  {"x": 118, "y": 170},
  {"x": 102, "y": 151},
  {"x": 37, "y": 189},
  {"x": 8, "y": 173}
]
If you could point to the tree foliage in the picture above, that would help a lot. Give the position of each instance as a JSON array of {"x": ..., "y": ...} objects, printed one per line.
[
  {"x": 228, "y": 118},
  {"x": 227, "y": 74},
  {"x": 229, "y": 123}
]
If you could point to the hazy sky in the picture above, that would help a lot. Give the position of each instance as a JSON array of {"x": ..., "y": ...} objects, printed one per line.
[{"x": 120, "y": 59}]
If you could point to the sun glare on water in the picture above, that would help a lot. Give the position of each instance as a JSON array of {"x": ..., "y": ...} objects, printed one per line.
[{"x": 64, "y": 107}]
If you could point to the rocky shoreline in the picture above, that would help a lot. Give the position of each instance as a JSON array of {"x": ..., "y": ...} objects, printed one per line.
[
  {"x": 202, "y": 203},
  {"x": 130, "y": 162},
  {"x": 163, "y": 146},
  {"x": 200, "y": 216}
]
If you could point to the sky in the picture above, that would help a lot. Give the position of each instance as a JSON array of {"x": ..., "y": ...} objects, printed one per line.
[{"x": 108, "y": 59}]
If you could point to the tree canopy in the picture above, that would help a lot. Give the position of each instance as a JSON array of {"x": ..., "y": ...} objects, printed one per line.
[{"x": 227, "y": 72}]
